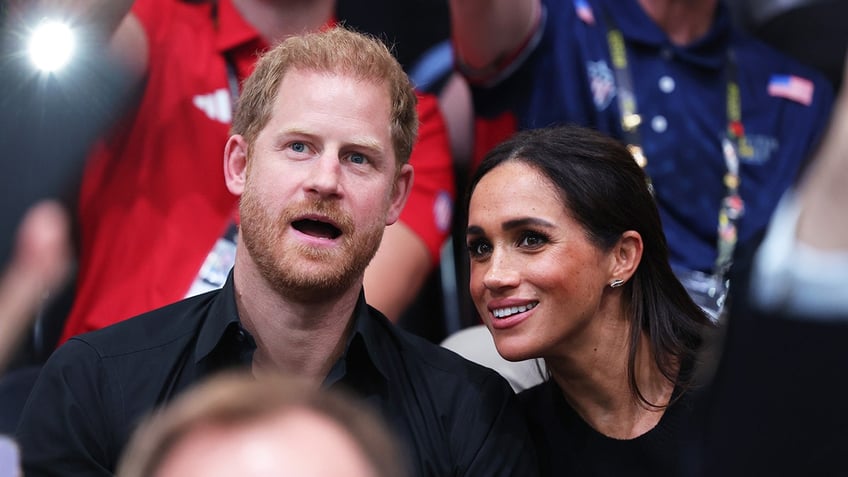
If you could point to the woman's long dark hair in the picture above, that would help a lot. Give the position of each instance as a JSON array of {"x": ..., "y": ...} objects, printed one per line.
[{"x": 604, "y": 189}]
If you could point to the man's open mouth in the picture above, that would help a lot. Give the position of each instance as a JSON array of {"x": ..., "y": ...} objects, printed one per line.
[{"x": 317, "y": 228}]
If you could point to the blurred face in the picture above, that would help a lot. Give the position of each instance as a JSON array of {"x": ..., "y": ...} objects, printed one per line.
[
  {"x": 536, "y": 280},
  {"x": 321, "y": 184},
  {"x": 296, "y": 443}
]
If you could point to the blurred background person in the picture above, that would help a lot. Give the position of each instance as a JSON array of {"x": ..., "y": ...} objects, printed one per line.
[
  {"x": 721, "y": 122},
  {"x": 234, "y": 424},
  {"x": 776, "y": 405},
  {"x": 39, "y": 265},
  {"x": 57, "y": 96}
]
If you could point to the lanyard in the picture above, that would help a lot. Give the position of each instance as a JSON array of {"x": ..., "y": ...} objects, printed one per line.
[
  {"x": 232, "y": 81},
  {"x": 732, "y": 205}
]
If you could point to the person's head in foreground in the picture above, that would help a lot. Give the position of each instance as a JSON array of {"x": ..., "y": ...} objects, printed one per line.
[
  {"x": 234, "y": 424},
  {"x": 569, "y": 263},
  {"x": 321, "y": 138}
]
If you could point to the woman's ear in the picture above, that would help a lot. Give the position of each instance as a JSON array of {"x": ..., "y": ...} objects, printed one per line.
[
  {"x": 626, "y": 256},
  {"x": 235, "y": 164}
]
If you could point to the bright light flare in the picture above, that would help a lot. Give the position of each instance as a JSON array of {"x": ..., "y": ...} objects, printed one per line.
[{"x": 51, "y": 45}]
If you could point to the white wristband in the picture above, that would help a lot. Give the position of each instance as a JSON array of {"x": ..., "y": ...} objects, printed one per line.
[{"x": 795, "y": 278}]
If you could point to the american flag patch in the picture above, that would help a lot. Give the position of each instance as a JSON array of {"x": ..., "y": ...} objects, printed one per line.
[
  {"x": 792, "y": 87},
  {"x": 584, "y": 11}
]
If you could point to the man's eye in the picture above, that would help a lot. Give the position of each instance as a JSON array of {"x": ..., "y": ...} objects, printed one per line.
[
  {"x": 357, "y": 158},
  {"x": 298, "y": 147}
]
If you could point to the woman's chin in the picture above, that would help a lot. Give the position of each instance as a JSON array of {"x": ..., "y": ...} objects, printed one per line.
[{"x": 514, "y": 349}]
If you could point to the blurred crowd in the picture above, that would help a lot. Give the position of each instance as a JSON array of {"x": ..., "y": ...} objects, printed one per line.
[{"x": 629, "y": 210}]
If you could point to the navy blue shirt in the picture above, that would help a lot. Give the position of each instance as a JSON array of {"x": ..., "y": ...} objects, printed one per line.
[
  {"x": 681, "y": 96},
  {"x": 455, "y": 417}
]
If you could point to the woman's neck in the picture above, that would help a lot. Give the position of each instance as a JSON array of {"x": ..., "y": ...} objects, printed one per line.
[
  {"x": 684, "y": 21},
  {"x": 597, "y": 385}
]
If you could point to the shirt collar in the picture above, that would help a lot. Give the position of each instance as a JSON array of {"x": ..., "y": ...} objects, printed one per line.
[
  {"x": 710, "y": 51},
  {"x": 220, "y": 316},
  {"x": 369, "y": 327},
  {"x": 367, "y": 340}
]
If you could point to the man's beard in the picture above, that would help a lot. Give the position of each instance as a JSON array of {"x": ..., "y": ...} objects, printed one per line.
[{"x": 301, "y": 272}]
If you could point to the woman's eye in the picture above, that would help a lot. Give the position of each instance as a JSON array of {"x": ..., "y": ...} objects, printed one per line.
[
  {"x": 478, "y": 248},
  {"x": 533, "y": 240}
]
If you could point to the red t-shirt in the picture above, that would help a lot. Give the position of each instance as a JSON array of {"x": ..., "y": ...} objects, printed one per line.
[{"x": 153, "y": 199}]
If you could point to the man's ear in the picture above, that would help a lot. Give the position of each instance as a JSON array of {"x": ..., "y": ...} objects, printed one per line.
[
  {"x": 626, "y": 256},
  {"x": 235, "y": 164},
  {"x": 400, "y": 192}
]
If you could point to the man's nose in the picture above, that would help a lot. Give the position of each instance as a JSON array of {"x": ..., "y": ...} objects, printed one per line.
[{"x": 325, "y": 174}]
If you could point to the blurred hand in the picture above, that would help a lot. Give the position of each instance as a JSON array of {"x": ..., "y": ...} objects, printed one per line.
[{"x": 40, "y": 264}]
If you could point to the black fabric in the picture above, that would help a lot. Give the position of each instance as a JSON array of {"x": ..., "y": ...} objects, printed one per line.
[
  {"x": 568, "y": 446},
  {"x": 457, "y": 418},
  {"x": 14, "y": 390},
  {"x": 777, "y": 404}
]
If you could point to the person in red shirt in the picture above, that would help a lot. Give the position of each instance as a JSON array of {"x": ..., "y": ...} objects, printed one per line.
[{"x": 153, "y": 208}]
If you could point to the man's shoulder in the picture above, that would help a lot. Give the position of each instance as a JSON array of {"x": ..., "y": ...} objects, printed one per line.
[
  {"x": 537, "y": 395},
  {"x": 443, "y": 364},
  {"x": 152, "y": 330}
]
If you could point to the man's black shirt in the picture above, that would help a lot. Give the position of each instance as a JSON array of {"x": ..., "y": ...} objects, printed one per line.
[{"x": 455, "y": 417}]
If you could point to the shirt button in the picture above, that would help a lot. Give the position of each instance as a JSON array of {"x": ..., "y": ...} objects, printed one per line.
[
  {"x": 659, "y": 124},
  {"x": 666, "y": 84}
]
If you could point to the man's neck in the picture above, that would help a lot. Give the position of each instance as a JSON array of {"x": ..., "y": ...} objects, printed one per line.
[
  {"x": 277, "y": 19},
  {"x": 684, "y": 21},
  {"x": 294, "y": 337}
]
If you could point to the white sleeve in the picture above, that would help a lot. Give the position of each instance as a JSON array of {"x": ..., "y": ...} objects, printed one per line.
[{"x": 795, "y": 278}]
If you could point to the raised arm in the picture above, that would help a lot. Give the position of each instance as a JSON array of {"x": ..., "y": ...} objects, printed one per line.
[
  {"x": 488, "y": 32},
  {"x": 822, "y": 192}
]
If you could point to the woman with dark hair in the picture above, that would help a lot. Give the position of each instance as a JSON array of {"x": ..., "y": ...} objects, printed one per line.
[{"x": 569, "y": 263}]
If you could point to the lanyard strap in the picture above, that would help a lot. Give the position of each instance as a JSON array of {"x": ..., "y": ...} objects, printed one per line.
[
  {"x": 732, "y": 206},
  {"x": 630, "y": 119},
  {"x": 232, "y": 81},
  {"x": 232, "y": 71}
]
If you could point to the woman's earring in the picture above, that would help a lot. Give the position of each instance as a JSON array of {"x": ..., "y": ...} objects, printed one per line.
[{"x": 616, "y": 283}]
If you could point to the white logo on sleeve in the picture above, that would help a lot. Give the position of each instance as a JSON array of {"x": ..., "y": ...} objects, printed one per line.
[{"x": 216, "y": 105}]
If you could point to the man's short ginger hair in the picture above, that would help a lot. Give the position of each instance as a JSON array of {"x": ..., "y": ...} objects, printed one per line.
[
  {"x": 336, "y": 50},
  {"x": 234, "y": 399}
]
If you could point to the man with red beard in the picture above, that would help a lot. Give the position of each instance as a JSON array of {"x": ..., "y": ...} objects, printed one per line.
[{"x": 321, "y": 138}]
